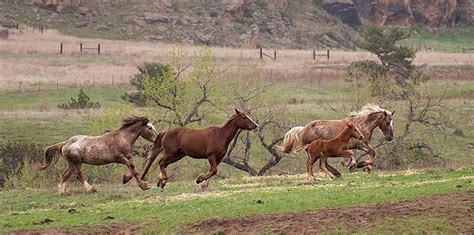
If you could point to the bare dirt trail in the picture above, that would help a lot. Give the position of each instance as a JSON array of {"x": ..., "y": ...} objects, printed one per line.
[{"x": 445, "y": 206}]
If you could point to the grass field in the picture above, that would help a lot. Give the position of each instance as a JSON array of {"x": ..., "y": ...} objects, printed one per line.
[{"x": 178, "y": 204}]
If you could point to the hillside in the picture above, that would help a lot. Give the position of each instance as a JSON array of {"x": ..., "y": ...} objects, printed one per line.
[{"x": 237, "y": 23}]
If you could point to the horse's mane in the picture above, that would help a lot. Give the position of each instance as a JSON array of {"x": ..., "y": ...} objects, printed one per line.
[
  {"x": 229, "y": 119},
  {"x": 127, "y": 122},
  {"x": 367, "y": 110}
]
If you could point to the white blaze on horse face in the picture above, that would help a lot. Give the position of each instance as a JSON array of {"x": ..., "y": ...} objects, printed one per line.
[
  {"x": 358, "y": 131},
  {"x": 391, "y": 123},
  {"x": 152, "y": 127},
  {"x": 252, "y": 120}
]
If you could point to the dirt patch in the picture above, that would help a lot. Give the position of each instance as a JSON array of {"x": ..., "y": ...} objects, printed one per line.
[
  {"x": 112, "y": 228},
  {"x": 454, "y": 207}
]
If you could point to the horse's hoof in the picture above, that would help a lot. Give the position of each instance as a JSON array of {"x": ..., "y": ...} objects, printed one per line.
[
  {"x": 67, "y": 193},
  {"x": 161, "y": 184},
  {"x": 143, "y": 185},
  {"x": 92, "y": 190},
  {"x": 200, "y": 179},
  {"x": 126, "y": 177},
  {"x": 311, "y": 179},
  {"x": 338, "y": 175}
]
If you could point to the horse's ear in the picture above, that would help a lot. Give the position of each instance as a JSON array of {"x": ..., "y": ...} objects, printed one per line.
[
  {"x": 237, "y": 111},
  {"x": 385, "y": 113},
  {"x": 393, "y": 112}
]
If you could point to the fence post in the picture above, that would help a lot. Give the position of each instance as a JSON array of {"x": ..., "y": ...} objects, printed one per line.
[
  {"x": 61, "y": 48},
  {"x": 81, "y": 46},
  {"x": 261, "y": 53},
  {"x": 314, "y": 54},
  {"x": 275, "y": 55},
  {"x": 75, "y": 82},
  {"x": 98, "y": 49},
  {"x": 328, "y": 53}
]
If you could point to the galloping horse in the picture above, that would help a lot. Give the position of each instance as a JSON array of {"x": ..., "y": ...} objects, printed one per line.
[
  {"x": 336, "y": 147},
  {"x": 366, "y": 120},
  {"x": 210, "y": 143},
  {"x": 112, "y": 147}
]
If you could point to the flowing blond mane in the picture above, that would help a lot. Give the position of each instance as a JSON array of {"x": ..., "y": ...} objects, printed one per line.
[{"x": 368, "y": 109}]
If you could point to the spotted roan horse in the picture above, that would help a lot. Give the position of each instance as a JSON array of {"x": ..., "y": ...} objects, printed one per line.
[
  {"x": 112, "y": 147},
  {"x": 208, "y": 143},
  {"x": 366, "y": 120}
]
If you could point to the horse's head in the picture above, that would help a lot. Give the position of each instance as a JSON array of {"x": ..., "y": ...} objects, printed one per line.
[
  {"x": 243, "y": 121},
  {"x": 148, "y": 131},
  {"x": 385, "y": 122},
  {"x": 355, "y": 133}
]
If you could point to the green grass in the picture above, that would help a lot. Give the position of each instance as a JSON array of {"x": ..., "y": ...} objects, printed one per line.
[
  {"x": 446, "y": 40},
  {"x": 178, "y": 204}
]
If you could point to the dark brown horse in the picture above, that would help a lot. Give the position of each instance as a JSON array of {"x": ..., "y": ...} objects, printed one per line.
[
  {"x": 112, "y": 147},
  {"x": 366, "y": 120},
  {"x": 208, "y": 143},
  {"x": 336, "y": 147}
]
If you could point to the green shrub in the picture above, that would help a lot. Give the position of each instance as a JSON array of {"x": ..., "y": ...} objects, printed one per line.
[
  {"x": 82, "y": 102},
  {"x": 154, "y": 71},
  {"x": 13, "y": 158}
]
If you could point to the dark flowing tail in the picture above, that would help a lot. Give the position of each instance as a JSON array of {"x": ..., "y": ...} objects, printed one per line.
[
  {"x": 155, "y": 150},
  {"x": 50, "y": 155}
]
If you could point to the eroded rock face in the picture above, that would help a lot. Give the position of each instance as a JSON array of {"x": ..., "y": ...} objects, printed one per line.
[
  {"x": 344, "y": 10},
  {"x": 408, "y": 13}
]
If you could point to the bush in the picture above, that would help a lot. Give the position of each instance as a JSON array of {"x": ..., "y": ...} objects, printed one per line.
[
  {"x": 154, "y": 71},
  {"x": 82, "y": 102},
  {"x": 13, "y": 157}
]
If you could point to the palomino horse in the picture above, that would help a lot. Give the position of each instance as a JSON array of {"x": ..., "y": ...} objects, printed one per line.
[
  {"x": 336, "y": 147},
  {"x": 366, "y": 120},
  {"x": 210, "y": 143},
  {"x": 112, "y": 147}
]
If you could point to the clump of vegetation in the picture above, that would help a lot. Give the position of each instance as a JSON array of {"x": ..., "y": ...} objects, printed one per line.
[
  {"x": 82, "y": 102},
  {"x": 14, "y": 155},
  {"x": 154, "y": 71}
]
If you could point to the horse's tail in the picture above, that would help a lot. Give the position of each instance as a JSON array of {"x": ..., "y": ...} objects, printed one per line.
[
  {"x": 155, "y": 150},
  {"x": 301, "y": 148},
  {"x": 50, "y": 155},
  {"x": 292, "y": 139}
]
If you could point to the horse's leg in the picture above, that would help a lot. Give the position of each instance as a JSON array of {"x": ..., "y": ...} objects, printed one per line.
[
  {"x": 80, "y": 177},
  {"x": 62, "y": 185},
  {"x": 131, "y": 168},
  {"x": 369, "y": 162},
  {"x": 333, "y": 170},
  {"x": 350, "y": 155},
  {"x": 149, "y": 160},
  {"x": 322, "y": 166},
  {"x": 164, "y": 162},
  {"x": 309, "y": 165},
  {"x": 212, "y": 171}
]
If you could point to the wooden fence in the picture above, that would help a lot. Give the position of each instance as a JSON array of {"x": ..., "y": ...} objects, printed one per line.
[{"x": 274, "y": 57}]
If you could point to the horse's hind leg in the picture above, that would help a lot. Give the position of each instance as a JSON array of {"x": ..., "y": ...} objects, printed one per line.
[
  {"x": 333, "y": 170},
  {"x": 131, "y": 170},
  {"x": 81, "y": 179},
  {"x": 309, "y": 165},
  {"x": 62, "y": 185}
]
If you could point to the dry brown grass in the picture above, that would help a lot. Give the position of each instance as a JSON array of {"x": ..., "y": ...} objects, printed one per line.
[{"x": 30, "y": 57}]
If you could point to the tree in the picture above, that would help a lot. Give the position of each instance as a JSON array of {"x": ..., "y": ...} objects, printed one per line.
[
  {"x": 395, "y": 76},
  {"x": 179, "y": 92},
  {"x": 250, "y": 96}
]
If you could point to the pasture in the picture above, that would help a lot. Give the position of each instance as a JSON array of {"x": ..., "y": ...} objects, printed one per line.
[
  {"x": 35, "y": 79},
  {"x": 124, "y": 208}
]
